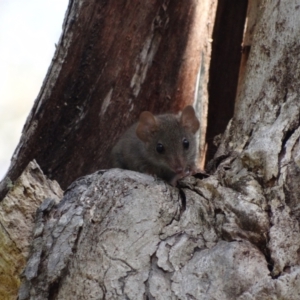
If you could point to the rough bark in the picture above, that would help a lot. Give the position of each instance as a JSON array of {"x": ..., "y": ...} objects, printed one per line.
[
  {"x": 17, "y": 213},
  {"x": 233, "y": 235},
  {"x": 114, "y": 60},
  {"x": 265, "y": 129},
  {"x": 125, "y": 235}
]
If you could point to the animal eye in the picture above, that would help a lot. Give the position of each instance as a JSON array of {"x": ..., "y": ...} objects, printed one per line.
[
  {"x": 160, "y": 148},
  {"x": 185, "y": 143}
]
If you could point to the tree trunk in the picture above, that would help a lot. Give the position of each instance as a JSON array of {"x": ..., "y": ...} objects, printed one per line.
[
  {"x": 235, "y": 234},
  {"x": 114, "y": 60},
  {"x": 265, "y": 128}
]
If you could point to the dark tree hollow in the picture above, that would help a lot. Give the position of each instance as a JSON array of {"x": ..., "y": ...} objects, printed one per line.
[{"x": 224, "y": 69}]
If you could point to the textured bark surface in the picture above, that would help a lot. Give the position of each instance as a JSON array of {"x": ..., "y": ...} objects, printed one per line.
[
  {"x": 265, "y": 129},
  {"x": 17, "y": 212},
  {"x": 114, "y": 60},
  {"x": 234, "y": 235},
  {"x": 124, "y": 235}
]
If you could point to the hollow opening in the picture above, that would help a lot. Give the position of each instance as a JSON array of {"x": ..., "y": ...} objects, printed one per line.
[{"x": 224, "y": 69}]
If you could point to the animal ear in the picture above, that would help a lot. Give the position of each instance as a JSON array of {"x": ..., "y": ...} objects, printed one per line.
[
  {"x": 189, "y": 120},
  {"x": 147, "y": 125}
]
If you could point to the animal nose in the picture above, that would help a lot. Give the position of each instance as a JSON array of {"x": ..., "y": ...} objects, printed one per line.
[{"x": 179, "y": 170}]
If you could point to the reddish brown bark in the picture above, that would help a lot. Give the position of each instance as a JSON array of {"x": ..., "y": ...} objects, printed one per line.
[{"x": 114, "y": 60}]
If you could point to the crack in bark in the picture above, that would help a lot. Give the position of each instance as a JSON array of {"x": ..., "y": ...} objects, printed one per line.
[
  {"x": 183, "y": 201},
  {"x": 118, "y": 259},
  {"x": 285, "y": 139},
  {"x": 147, "y": 283}
]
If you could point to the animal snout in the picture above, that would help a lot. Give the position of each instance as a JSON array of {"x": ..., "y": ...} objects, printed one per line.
[{"x": 178, "y": 170}]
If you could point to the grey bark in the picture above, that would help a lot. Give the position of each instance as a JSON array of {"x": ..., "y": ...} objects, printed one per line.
[
  {"x": 124, "y": 235},
  {"x": 265, "y": 129}
]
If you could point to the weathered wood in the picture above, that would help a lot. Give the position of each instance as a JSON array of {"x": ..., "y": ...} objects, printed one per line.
[
  {"x": 234, "y": 235},
  {"x": 114, "y": 60},
  {"x": 254, "y": 12},
  {"x": 124, "y": 235},
  {"x": 17, "y": 213},
  {"x": 265, "y": 128}
]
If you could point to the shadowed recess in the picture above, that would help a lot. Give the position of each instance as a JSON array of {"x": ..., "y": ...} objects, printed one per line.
[{"x": 224, "y": 69}]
